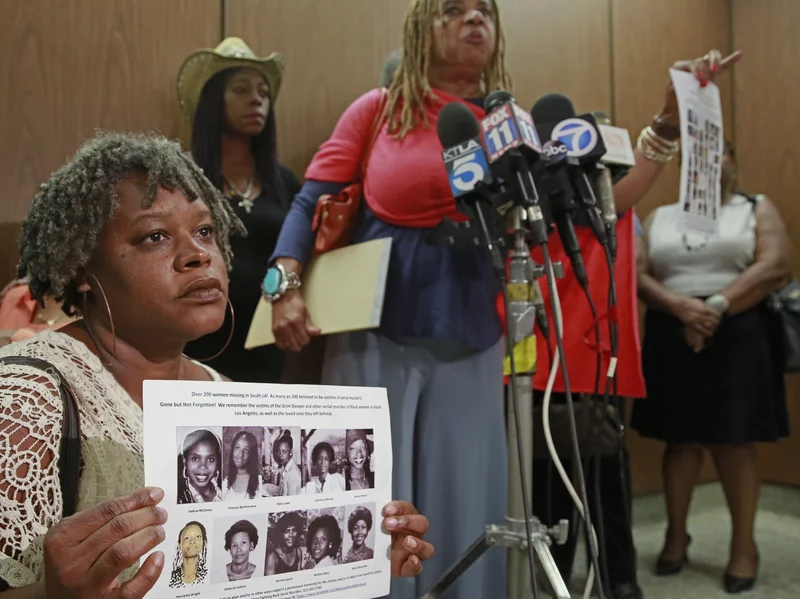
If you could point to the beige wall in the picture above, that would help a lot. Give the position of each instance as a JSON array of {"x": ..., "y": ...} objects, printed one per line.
[{"x": 67, "y": 68}]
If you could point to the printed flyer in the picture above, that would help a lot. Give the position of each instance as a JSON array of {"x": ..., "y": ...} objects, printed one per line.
[{"x": 272, "y": 491}]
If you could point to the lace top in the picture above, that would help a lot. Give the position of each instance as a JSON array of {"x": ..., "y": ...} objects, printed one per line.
[{"x": 30, "y": 435}]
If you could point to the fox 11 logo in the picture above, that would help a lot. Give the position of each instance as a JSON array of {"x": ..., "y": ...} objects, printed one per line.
[{"x": 466, "y": 165}]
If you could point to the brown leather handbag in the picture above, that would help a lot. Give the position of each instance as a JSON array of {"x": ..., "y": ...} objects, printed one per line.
[{"x": 335, "y": 216}]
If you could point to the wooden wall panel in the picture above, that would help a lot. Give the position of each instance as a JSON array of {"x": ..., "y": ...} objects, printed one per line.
[
  {"x": 334, "y": 51},
  {"x": 767, "y": 124},
  {"x": 648, "y": 37},
  {"x": 559, "y": 47},
  {"x": 70, "y": 67}
]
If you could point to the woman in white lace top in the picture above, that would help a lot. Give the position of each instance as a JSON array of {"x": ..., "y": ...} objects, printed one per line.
[{"x": 131, "y": 236}]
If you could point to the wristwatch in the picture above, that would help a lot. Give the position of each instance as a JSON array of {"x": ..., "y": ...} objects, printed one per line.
[
  {"x": 278, "y": 281},
  {"x": 718, "y": 302}
]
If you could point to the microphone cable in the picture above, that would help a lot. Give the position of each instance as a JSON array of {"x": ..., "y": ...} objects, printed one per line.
[
  {"x": 612, "y": 385},
  {"x": 581, "y": 501}
]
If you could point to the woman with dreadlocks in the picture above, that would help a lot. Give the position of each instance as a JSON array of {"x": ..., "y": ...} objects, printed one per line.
[
  {"x": 439, "y": 350},
  {"x": 132, "y": 237}
]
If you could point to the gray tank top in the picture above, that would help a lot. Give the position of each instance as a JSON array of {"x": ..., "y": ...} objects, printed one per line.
[{"x": 698, "y": 265}]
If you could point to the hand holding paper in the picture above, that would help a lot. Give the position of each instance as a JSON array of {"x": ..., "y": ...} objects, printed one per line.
[
  {"x": 407, "y": 527},
  {"x": 705, "y": 69},
  {"x": 85, "y": 553}
]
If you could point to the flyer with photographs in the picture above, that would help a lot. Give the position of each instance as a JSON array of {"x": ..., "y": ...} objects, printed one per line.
[
  {"x": 272, "y": 491},
  {"x": 702, "y": 145}
]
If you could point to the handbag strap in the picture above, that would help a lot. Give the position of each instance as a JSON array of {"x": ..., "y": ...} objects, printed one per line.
[
  {"x": 377, "y": 124},
  {"x": 69, "y": 460}
]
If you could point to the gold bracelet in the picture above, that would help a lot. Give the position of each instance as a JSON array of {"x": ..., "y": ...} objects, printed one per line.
[{"x": 656, "y": 148}]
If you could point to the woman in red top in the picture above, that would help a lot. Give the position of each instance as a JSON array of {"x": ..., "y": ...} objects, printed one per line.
[{"x": 439, "y": 348}]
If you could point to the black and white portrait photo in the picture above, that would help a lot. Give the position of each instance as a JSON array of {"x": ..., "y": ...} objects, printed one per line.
[
  {"x": 324, "y": 461},
  {"x": 281, "y": 472},
  {"x": 359, "y": 446},
  {"x": 324, "y": 538},
  {"x": 190, "y": 565},
  {"x": 199, "y": 464},
  {"x": 239, "y": 548},
  {"x": 286, "y": 540},
  {"x": 359, "y": 540},
  {"x": 241, "y": 469}
]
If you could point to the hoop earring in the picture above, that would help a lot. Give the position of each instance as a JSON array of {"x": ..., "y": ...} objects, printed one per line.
[
  {"x": 230, "y": 336},
  {"x": 110, "y": 320}
]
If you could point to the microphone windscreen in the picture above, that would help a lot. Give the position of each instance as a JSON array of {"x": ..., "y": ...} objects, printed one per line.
[
  {"x": 495, "y": 99},
  {"x": 552, "y": 108},
  {"x": 456, "y": 124}
]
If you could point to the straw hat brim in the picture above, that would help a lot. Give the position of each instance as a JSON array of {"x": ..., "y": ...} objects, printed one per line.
[{"x": 202, "y": 65}]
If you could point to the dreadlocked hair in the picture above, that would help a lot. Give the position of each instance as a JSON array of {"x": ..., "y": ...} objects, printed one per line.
[
  {"x": 60, "y": 233},
  {"x": 411, "y": 87}
]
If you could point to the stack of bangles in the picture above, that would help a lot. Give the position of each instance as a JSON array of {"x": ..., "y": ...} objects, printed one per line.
[{"x": 655, "y": 147}]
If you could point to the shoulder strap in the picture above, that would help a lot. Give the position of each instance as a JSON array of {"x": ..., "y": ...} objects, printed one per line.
[
  {"x": 753, "y": 199},
  {"x": 69, "y": 460},
  {"x": 377, "y": 123}
]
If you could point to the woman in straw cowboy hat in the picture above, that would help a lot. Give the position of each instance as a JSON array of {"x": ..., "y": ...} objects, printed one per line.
[{"x": 228, "y": 94}]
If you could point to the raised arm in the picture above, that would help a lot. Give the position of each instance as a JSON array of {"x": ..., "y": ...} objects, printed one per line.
[{"x": 640, "y": 179}]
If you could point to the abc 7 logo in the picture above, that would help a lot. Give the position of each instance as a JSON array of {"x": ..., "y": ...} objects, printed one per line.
[{"x": 578, "y": 135}]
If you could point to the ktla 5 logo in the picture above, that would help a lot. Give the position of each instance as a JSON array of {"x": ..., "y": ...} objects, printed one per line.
[
  {"x": 578, "y": 135},
  {"x": 466, "y": 165}
]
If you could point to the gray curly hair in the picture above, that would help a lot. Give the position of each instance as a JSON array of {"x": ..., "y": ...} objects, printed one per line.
[{"x": 60, "y": 233}]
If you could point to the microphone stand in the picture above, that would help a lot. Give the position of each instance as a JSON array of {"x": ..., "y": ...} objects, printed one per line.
[{"x": 519, "y": 533}]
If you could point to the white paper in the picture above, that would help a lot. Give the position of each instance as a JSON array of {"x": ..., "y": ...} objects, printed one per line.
[
  {"x": 702, "y": 149},
  {"x": 212, "y": 414}
]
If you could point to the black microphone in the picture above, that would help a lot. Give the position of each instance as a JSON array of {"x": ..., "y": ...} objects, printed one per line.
[
  {"x": 585, "y": 138},
  {"x": 556, "y": 175},
  {"x": 467, "y": 167},
  {"x": 511, "y": 144},
  {"x": 585, "y": 147}
]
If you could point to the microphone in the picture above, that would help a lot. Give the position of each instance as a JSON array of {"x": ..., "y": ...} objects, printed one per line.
[
  {"x": 466, "y": 165},
  {"x": 618, "y": 160},
  {"x": 511, "y": 142},
  {"x": 507, "y": 126},
  {"x": 563, "y": 174},
  {"x": 463, "y": 155},
  {"x": 619, "y": 149}
]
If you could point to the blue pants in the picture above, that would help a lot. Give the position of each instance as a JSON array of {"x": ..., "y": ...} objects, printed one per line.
[{"x": 449, "y": 445}]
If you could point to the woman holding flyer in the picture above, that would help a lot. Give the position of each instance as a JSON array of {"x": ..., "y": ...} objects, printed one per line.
[{"x": 130, "y": 235}]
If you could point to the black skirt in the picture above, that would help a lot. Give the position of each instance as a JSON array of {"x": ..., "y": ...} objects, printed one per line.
[{"x": 731, "y": 392}]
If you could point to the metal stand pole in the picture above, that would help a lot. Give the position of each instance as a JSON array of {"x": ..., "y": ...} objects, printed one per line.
[
  {"x": 523, "y": 299},
  {"x": 523, "y": 295}
]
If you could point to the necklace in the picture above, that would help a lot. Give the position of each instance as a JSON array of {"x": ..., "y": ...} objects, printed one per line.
[
  {"x": 244, "y": 197},
  {"x": 691, "y": 248}
]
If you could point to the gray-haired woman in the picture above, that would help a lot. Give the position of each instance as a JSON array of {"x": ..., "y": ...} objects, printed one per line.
[{"x": 130, "y": 235}]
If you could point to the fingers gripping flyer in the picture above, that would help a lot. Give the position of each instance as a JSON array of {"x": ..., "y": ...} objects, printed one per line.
[{"x": 272, "y": 491}]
